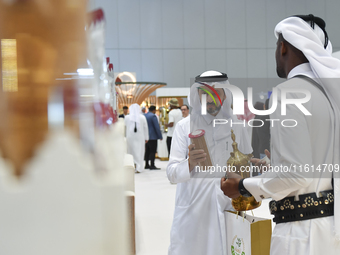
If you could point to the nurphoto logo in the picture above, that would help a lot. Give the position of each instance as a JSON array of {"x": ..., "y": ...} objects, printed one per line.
[{"x": 238, "y": 104}]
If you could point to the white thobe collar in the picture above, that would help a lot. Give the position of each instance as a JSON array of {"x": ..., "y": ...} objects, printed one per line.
[{"x": 303, "y": 69}]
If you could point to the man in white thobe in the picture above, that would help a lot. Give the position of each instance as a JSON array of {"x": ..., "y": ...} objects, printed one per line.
[
  {"x": 175, "y": 115},
  {"x": 137, "y": 134},
  {"x": 198, "y": 225},
  {"x": 303, "y": 192}
]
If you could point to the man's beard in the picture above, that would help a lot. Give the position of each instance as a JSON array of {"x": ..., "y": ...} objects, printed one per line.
[{"x": 213, "y": 111}]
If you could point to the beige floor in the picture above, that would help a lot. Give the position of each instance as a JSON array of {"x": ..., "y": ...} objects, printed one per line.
[{"x": 155, "y": 201}]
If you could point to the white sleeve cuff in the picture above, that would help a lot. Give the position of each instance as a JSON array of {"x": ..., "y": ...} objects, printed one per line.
[
  {"x": 180, "y": 172},
  {"x": 184, "y": 175},
  {"x": 253, "y": 185}
]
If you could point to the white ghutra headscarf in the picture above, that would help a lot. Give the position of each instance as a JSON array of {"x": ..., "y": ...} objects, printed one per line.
[
  {"x": 195, "y": 102},
  {"x": 135, "y": 112},
  {"x": 311, "y": 42}
]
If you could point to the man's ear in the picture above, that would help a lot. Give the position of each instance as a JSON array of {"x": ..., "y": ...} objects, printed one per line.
[{"x": 283, "y": 49}]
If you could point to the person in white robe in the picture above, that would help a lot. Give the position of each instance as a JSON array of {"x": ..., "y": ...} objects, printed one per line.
[
  {"x": 198, "y": 225},
  {"x": 303, "y": 50},
  {"x": 137, "y": 134}
]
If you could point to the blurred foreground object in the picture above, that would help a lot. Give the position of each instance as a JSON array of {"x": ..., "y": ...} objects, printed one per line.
[
  {"x": 103, "y": 90},
  {"x": 70, "y": 197},
  {"x": 40, "y": 40},
  {"x": 61, "y": 207}
]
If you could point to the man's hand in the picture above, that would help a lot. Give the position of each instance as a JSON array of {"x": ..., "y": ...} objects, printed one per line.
[
  {"x": 260, "y": 163},
  {"x": 171, "y": 124},
  {"x": 267, "y": 153},
  {"x": 146, "y": 141},
  {"x": 195, "y": 156},
  {"x": 230, "y": 186}
]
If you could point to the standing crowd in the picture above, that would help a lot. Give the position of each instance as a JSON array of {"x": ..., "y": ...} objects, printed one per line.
[{"x": 143, "y": 132}]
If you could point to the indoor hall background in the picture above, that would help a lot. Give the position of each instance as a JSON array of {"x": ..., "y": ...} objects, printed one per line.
[{"x": 173, "y": 41}]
